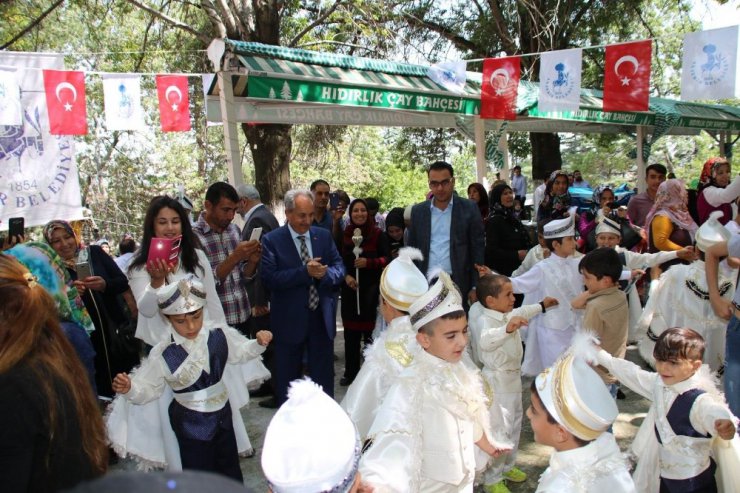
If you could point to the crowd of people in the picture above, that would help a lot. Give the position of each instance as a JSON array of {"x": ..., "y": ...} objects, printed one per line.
[{"x": 447, "y": 306}]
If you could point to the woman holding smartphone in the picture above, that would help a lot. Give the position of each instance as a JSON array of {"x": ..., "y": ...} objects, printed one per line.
[
  {"x": 99, "y": 281},
  {"x": 166, "y": 218}
]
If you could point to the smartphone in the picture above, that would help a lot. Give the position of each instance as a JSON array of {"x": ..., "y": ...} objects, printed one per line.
[
  {"x": 167, "y": 249},
  {"x": 16, "y": 225},
  {"x": 256, "y": 234},
  {"x": 83, "y": 270},
  {"x": 333, "y": 201}
]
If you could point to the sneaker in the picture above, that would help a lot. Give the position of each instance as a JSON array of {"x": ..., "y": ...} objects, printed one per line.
[
  {"x": 499, "y": 487},
  {"x": 515, "y": 475}
]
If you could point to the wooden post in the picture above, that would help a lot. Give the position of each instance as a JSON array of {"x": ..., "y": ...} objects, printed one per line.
[{"x": 231, "y": 128}]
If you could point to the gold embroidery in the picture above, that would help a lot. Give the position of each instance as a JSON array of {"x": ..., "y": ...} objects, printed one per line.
[{"x": 398, "y": 351}]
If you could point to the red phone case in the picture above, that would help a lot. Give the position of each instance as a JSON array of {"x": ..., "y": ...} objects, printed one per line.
[{"x": 167, "y": 249}]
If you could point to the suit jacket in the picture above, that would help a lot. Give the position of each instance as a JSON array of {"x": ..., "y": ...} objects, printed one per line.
[
  {"x": 261, "y": 217},
  {"x": 466, "y": 240},
  {"x": 285, "y": 275}
]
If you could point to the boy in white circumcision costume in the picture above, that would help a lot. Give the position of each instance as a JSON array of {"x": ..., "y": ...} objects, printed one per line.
[
  {"x": 497, "y": 345},
  {"x": 571, "y": 410},
  {"x": 680, "y": 298},
  {"x": 401, "y": 284},
  {"x": 435, "y": 417}
]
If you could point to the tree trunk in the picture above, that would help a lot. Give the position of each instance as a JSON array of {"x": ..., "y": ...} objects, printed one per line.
[
  {"x": 546, "y": 156},
  {"x": 271, "y": 146}
]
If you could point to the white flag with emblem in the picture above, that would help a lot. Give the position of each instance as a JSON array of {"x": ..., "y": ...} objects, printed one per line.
[
  {"x": 122, "y": 97},
  {"x": 10, "y": 99},
  {"x": 709, "y": 68},
  {"x": 560, "y": 80},
  {"x": 450, "y": 75}
]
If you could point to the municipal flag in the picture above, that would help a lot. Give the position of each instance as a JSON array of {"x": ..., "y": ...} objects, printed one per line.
[
  {"x": 560, "y": 80},
  {"x": 709, "y": 66},
  {"x": 450, "y": 75},
  {"x": 10, "y": 99},
  {"x": 122, "y": 98}
]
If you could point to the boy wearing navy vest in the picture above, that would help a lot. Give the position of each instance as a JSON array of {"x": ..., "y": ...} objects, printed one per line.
[
  {"x": 192, "y": 363},
  {"x": 674, "y": 446}
]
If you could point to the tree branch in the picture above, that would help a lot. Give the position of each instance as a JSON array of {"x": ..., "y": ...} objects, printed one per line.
[
  {"x": 33, "y": 24},
  {"x": 315, "y": 23},
  {"x": 213, "y": 16},
  {"x": 502, "y": 27},
  {"x": 445, "y": 32},
  {"x": 172, "y": 21}
]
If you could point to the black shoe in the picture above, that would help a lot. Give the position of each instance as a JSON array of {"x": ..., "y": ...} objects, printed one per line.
[
  {"x": 270, "y": 403},
  {"x": 620, "y": 395},
  {"x": 344, "y": 381},
  {"x": 264, "y": 390}
]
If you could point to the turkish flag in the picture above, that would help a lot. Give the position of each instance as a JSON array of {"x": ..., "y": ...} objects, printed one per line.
[
  {"x": 174, "y": 103},
  {"x": 627, "y": 76},
  {"x": 500, "y": 87},
  {"x": 65, "y": 102}
]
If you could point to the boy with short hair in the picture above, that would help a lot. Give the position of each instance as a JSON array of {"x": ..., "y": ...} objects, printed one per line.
[
  {"x": 401, "y": 283},
  {"x": 425, "y": 434},
  {"x": 570, "y": 411},
  {"x": 674, "y": 445},
  {"x": 557, "y": 276},
  {"x": 497, "y": 345},
  {"x": 538, "y": 252},
  {"x": 606, "y": 314},
  {"x": 191, "y": 362}
]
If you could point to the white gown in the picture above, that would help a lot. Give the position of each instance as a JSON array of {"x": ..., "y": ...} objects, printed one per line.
[
  {"x": 599, "y": 467},
  {"x": 425, "y": 431},
  {"x": 679, "y": 298},
  {"x": 389, "y": 354}
]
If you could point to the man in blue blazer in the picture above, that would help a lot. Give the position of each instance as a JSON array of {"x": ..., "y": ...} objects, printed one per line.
[
  {"x": 302, "y": 269},
  {"x": 448, "y": 230}
]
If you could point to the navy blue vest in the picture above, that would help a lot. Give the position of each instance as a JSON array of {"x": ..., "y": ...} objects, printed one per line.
[
  {"x": 191, "y": 424},
  {"x": 678, "y": 418}
]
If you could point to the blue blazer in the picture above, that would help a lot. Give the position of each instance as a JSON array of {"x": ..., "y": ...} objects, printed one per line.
[{"x": 286, "y": 277}]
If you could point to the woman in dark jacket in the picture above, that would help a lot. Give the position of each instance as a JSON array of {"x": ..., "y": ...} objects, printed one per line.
[
  {"x": 507, "y": 241},
  {"x": 359, "y": 323},
  {"x": 100, "y": 294}
]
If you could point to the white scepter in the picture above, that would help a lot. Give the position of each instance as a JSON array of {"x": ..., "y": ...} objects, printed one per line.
[{"x": 357, "y": 240}]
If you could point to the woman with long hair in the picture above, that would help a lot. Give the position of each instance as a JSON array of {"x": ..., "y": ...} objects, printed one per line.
[
  {"x": 507, "y": 240},
  {"x": 477, "y": 193},
  {"x": 359, "y": 320},
  {"x": 557, "y": 200},
  {"x": 52, "y": 435},
  {"x": 115, "y": 352},
  {"x": 716, "y": 193},
  {"x": 670, "y": 227}
]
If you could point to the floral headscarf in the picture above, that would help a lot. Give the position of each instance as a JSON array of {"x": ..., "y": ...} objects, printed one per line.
[
  {"x": 60, "y": 224},
  {"x": 557, "y": 205},
  {"x": 709, "y": 171},
  {"x": 44, "y": 263},
  {"x": 672, "y": 201}
]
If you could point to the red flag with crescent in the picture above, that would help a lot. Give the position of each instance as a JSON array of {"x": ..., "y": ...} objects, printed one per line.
[
  {"x": 174, "y": 103},
  {"x": 65, "y": 102},
  {"x": 500, "y": 87},
  {"x": 627, "y": 76}
]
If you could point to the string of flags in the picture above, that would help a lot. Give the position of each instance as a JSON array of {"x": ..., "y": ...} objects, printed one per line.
[{"x": 709, "y": 71}]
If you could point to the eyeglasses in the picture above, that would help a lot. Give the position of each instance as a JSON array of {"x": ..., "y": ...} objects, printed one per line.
[{"x": 443, "y": 183}]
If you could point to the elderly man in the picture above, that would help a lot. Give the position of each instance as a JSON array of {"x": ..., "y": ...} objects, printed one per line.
[
  {"x": 448, "y": 230},
  {"x": 302, "y": 268}
]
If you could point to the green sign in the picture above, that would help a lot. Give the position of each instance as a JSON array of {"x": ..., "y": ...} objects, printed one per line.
[
  {"x": 594, "y": 115},
  {"x": 318, "y": 92},
  {"x": 703, "y": 123}
]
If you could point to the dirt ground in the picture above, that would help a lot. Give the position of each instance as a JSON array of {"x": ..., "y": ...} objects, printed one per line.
[{"x": 532, "y": 458}]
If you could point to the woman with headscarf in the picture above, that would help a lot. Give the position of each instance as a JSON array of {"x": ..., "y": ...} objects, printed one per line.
[
  {"x": 116, "y": 351},
  {"x": 394, "y": 229},
  {"x": 670, "y": 227},
  {"x": 52, "y": 435},
  {"x": 43, "y": 262},
  {"x": 507, "y": 240},
  {"x": 716, "y": 193},
  {"x": 477, "y": 193},
  {"x": 557, "y": 200},
  {"x": 359, "y": 321}
]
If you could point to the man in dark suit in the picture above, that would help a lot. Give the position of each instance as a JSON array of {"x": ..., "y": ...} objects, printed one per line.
[
  {"x": 448, "y": 230},
  {"x": 302, "y": 268}
]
